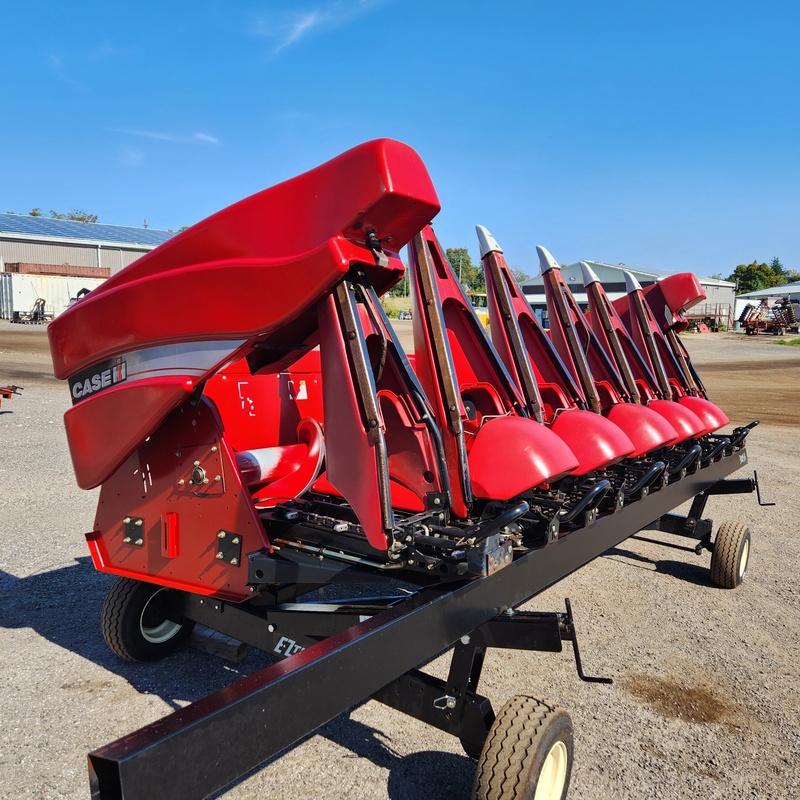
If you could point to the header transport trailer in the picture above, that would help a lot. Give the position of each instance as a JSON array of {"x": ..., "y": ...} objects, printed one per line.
[{"x": 270, "y": 437}]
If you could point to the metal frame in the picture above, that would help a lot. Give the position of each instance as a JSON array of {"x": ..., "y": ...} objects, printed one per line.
[{"x": 369, "y": 650}]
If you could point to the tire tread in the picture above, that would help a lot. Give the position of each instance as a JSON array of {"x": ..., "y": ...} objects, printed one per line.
[
  {"x": 501, "y": 772},
  {"x": 120, "y": 622},
  {"x": 725, "y": 557}
]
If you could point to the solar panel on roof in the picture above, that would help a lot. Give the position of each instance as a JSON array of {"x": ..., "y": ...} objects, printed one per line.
[{"x": 71, "y": 229}]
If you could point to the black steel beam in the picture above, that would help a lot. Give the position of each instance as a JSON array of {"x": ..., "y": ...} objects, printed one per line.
[{"x": 203, "y": 747}]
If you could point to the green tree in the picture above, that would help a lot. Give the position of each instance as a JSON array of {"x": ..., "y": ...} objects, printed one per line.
[
  {"x": 76, "y": 214},
  {"x": 35, "y": 212},
  {"x": 776, "y": 266},
  {"x": 470, "y": 275},
  {"x": 520, "y": 276},
  {"x": 755, "y": 276}
]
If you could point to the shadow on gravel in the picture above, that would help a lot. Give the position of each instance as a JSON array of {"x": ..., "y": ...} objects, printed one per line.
[
  {"x": 63, "y": 606},
  {"x": 417, "y": 776},
  {"x": 691, "y": 573}
]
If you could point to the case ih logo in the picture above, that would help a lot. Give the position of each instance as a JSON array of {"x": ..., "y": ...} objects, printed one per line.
[{"x": 99, "y": 377}]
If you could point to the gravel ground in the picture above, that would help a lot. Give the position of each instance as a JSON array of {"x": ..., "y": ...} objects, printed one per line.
[{"x": 704, "y": 702}]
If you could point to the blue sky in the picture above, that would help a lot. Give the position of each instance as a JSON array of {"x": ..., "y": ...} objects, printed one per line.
[{"x": 662, "y": 135}]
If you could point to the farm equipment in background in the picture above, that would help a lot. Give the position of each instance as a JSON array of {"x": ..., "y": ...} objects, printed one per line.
[
  {"x": 479, "y": 303},
  {"x": 286, "y": 443},
  {"x": 771, "y": 315},
  {"x": 6, "y": 392},
  {"x": 38, "y": 315}
]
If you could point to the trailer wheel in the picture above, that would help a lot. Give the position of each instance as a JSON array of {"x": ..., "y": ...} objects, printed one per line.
[
  {"x": 730, "y": 555},
  {"x": 134, "y": 625},
  {"x": 528, "y": 753}
]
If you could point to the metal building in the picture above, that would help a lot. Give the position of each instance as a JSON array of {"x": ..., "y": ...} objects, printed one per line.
[
  {"x": 54, "y": 259},
  {"x": 67, "y": 243},
  {"x": 718, "y": 306}
]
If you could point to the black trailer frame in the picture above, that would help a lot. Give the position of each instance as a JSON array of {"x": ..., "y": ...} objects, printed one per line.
[{"x": 373, "y": 648}]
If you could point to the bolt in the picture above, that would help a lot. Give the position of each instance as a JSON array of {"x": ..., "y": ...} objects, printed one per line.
[
  {"x": 214, "y": 449},
  {"x": 139, "y": 522},
  {"x": 196, "y": 463},
  {"x": 219, "y": 554},
  {"x": 235, "y": 561},
  {"x": 221, "y": 535},
  {"x": 126, "y": 520},
  {"x": 178, "y": 453},
  {"x": 236, "y": 540},
  {"x": 139, "y": 542},
  {"x": 271, "y": 628},
  {"x": 205, "y": 480},
  {"x": 465, "y": 639},
  {"x": 181, "y": 482},
  {"x": 218, "y": 477},
  {"x": 127, "y": 540},
  {"x": 437, "y": 501}
]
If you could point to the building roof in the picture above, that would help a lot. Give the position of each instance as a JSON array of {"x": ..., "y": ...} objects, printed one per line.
[
  {"x": 716, "y": 282},
  {"x": 573, "y": 270},
  {"x": 641, "y": 274},
  {"x": 625, "y": 268},
  {"x": 71, "y": 230},
  {"x": 774, "y": 291}
]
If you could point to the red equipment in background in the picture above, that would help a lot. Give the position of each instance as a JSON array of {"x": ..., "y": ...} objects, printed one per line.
[{"x": 7, "y": 392}]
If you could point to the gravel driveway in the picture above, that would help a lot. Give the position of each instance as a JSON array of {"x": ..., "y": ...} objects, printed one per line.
[{"x": 704, "y": 702}]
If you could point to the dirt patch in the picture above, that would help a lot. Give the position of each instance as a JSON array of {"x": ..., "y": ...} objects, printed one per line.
[
  {"x": 24, "y": 355},
  {"x": 674, "y": 700},
  {"x": 766, "y": 390}
]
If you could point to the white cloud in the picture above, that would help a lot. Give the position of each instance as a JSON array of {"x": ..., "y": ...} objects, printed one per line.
[
  {"x": 171, "y": 137},
  {"x": 302, "y": 26},
  {"x": 288, "y": 29},
  {"x": 57, "y": 64}
]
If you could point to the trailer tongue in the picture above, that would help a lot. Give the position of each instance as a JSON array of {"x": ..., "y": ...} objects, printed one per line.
[{"x": 286, "y": 443}]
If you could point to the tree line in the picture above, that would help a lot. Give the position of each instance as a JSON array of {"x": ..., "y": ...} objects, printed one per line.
[
  {"x": 75, "y": 214},
  {"x": 754, "y": 276}
]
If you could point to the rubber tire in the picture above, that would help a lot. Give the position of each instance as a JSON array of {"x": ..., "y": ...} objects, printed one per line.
[
  {"x": 526, "y": 735},
  {"x": 731, "y": 555},
  {"x": 132, "y": 625}
]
